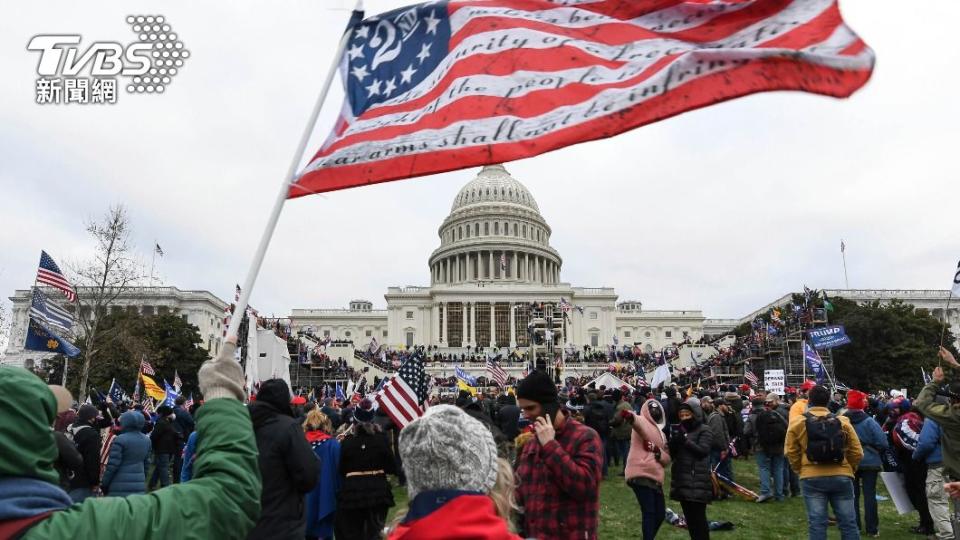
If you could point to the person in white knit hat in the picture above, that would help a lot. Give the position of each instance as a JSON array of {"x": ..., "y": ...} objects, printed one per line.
[{"x": 458, "y": 487}]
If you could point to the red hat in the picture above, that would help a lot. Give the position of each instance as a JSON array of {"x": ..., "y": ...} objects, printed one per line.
[
  {"x": 807, "y": 385},
  {"x": 744, "y": 387},
  {"x": 856, "y": 400},
  {"x": 298, "y": 400}
]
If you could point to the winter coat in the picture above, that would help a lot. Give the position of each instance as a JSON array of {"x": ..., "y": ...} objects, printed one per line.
[
  {"x": 766, "y": 423},
  {"x": 183, "y": 422},
  {"x": 718, "y": 428},
  {"x": 288, "y": 467},
  {"x": 948, "y": 418},
  {"x": 363, "y": 451},
  {"x": 189, "y": 456},
  {"x": 68, "y": 461},
  {"x": 928, "y": 448},
  {"x": 597, "y": 415},
  {"x": 452, "y": 515},
  {"x": 621, "y": 429},
  {"x": 165, "y": 438},
  {"x": 872, "y": 439},
  {"x": 796, "y": 449},
  {"x": 87, "y": 440},
  {"x": 321, "y": 503},
  {"x": 129, "y": 458},
  {"x": 641, "y": 462},
  {"x": 690, "y": 478}
]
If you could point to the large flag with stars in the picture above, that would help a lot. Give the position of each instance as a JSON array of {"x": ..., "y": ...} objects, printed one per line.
[
  {"x": 447, "y": 85},
  {"x": 41, "y": 338},
  {"x": 403, "y": 395}
]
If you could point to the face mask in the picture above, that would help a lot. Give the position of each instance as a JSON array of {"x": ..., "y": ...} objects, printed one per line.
[{"x": 689, "y": 423}]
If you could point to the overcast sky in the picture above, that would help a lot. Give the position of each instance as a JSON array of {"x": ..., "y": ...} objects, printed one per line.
[{"x": 721, "y": 209}]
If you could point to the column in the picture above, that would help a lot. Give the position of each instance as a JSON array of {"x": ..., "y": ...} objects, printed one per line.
[
  {"x": 526, "y": 267},
  {"x": 435, "y": 324},
  {"x": 515, "y": 266},
  {"x": 513, "y": 325},
  {"x": 490, "y": 267},
  {"x": 463, "y": 322},
  {"x": 446, "y": 323},
  {"x": 469, "y": 267},
  {"x": 473, "y": 323},
  {"x": 493, "y": 325}
]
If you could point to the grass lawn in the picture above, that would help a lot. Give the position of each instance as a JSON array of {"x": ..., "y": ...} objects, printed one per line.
[{"x": 620, "y": 513}]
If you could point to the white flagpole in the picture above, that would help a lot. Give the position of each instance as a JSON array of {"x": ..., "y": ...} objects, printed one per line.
[
  {"x": 843, "y": 254},
  {"x": 288, "y": 179}
]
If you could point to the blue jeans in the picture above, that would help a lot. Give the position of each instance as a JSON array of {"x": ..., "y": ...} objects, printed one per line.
[
  {"x": 621, "y": 449},
  {"x": 867, "y": 481},
  {"x": 653, "y": 508},
  {"x": 790, "y": 480},
  {"x": 161, "y": 470},
  {"x": 770, "y": 464},
  {"x": 835, "y": 491}
]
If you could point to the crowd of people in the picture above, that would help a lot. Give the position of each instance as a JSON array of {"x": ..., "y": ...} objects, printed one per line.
[{"x": 521, "y": 464}]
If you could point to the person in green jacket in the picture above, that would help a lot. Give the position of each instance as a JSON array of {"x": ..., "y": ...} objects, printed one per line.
[
  {"x": 222, "y": 501},
  {"x": 947, "y": 416}
]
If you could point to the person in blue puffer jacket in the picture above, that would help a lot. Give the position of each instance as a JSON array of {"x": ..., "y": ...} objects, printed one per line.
[
  {"x": 929, "y": 450},
  {"x": 125, "y": 473},
  {"x": 873, "y": 441}
]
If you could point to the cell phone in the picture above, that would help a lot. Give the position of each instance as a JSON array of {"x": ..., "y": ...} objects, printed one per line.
[{"x": 550, "y": 410}]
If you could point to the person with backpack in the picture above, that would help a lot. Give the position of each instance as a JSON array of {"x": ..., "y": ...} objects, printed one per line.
[
  {"x": 771, "y": 432},
  {"x": 824, "y": 450},
  {"x": 904, "y": 432},
  {"x": 597, "y": 415},
  {"x": 85, "y": 435},
  {"x": 873, "y": 441}
]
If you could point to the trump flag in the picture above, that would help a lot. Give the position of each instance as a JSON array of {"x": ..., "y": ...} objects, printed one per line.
[{"x": 447, "y": 85}]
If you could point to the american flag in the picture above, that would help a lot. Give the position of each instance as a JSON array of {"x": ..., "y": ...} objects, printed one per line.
[
  {"x": 49, "y": 313},
  {"x": 189, "y": 402},
  {"x": 49, "y": 274},
  {"x": 402, "y": 396},
  {"x": 176, "y": 380},
  {"x": 565, "y": 306},
  {"x": 145, "y": 367},
  {"x": 105, "y": 450},
  {"x": 751, "y": 377},
  {"x": 497, "y": 372},
  {"x": 441, "y": 86}
]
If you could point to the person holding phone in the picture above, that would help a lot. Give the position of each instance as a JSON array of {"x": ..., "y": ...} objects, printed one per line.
[{"x": 558, "y": 470}]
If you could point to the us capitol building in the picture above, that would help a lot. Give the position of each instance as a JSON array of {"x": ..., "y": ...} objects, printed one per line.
[{"x": 493, "y": 261}]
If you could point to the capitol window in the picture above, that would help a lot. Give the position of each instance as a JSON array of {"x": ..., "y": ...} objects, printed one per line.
[
  {"x": 384, "y": 333},
  {"x": 369, "y": 333},
  {"x": 496, "y": 227},
  {"x": 593, "y": 314},
  {"x": 594, "y": 340},
  {"x": 409, "y": 314},
  {"x": 476, "y": 229},
  {"x": 524, "y": 231},
  {"x": 486, "y": 229},
  {"x": 626, "y": 334},
  {"x": 515, "y": 230},
  {"x": 646, "y": 334},
  {"x": 326, "y": 333},
  {"x": 668, "y": 333},
  {"x": 347, "y": 333}
]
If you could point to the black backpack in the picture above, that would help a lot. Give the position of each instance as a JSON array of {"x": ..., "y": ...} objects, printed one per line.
[
  {"x": 771, "y": 429},
  {"x": 825, "y": 439},
  {"x": 596, "y": 417}
]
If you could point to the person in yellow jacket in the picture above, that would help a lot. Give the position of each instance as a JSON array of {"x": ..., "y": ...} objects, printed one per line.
[
  {"x": 800, "y": 405},
  {"x": 826, "y": 459}
]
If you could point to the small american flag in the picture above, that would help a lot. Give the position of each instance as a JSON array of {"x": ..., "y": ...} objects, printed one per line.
[
  {"x": 49, "y": 274},
  {"x": 145, "y": 367},
  {"x": 176, "y": 380},
  {"x": 188, "y": 403},
  {"x": 751, "y": 377},
  {"x": 497, "y": 372},
  {"x": 105, "y": 450},
  {"x": 402, "y": 395}
]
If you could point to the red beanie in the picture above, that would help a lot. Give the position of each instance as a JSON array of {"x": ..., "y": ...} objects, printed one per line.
[{"x": 856, "y": 400}]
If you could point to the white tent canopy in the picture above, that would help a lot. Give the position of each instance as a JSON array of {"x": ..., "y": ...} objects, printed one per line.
[
  {"x": 267, "y": 357},
  {"x": 610, "y": 381}
]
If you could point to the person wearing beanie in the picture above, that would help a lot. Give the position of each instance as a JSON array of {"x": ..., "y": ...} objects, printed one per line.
[
  {"x": 770, "y": 430},
  {"x": 86, "y": 437},
  {"x": 645, "y": 462},
  {"x": 166, "y": 444},
  {"x": 288, "y": 465},
  {"x": 321, "y": 502},
  {"x": 68, "y": 457},
  {"x": 458, "y": 487},
  {"x": 825, "y": 451},
  {"x": 691, "y": 484},
  {"x": 33, "y": 507},
  {"x": 365, "y": 496},
  {"x": 800, "y": 405},
  {"x": 873, "y": 441},
  {"x": 558, "y": 470}
]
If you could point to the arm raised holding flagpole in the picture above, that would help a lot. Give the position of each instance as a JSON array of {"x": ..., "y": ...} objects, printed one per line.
[{"x": 288, "y": 179}]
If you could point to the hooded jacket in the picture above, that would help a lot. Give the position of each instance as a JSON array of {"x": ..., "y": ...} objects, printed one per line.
[
  {"x": 872, "y": 439},
  {"x": 928, "y": 447},
  {"x": 227, "y": 487},
  {"x": 948, "y": 418},
  {"x": 796, "y": 449},
  {"x": 641, "y": 462},
  {"x": 690, "y": 478},
  {"x": 288, "y": 465},
  {"x": 87, "y": 439},
  {"x": 129, "y": 458}
]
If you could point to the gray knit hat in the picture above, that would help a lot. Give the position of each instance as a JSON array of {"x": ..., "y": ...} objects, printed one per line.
[{"x": 447, "y": 449}]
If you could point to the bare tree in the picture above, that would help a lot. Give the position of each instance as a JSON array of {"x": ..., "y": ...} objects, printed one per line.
[
  {"x": 5, "y": 327},
  {"x": 102, "y": 279}
]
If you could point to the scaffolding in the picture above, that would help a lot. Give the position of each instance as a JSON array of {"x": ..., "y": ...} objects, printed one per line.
[
  {"x": 785, "y": 351},
  {"x": 548, "y": 328}
]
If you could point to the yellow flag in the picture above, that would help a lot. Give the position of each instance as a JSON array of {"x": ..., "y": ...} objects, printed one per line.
[
  {"x": 466, "y": 387},
  {"x": 151, "y": 388}
]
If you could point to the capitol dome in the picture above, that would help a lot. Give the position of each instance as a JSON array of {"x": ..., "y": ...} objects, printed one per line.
[
  {"x": 494, "y": 233},
  {"x": 494, "y": 185}
]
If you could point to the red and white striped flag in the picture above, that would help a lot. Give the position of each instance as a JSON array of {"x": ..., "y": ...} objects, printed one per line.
[
  {"x": 145, "y": 367},
  {"x": 48, "y": 273},
  {"x": 402, "y": 396},
  {"x": 751, "y": 377},
  {"x": 442, "y": 86},
  {"x": 496, "y": 371}
]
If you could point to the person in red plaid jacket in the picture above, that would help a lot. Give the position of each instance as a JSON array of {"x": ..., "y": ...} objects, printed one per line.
[{"x": 558, "y": 470}]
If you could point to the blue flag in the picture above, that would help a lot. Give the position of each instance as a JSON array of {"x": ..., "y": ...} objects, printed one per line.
[
  {"x": 170, "y": 398},
  {"x": 41, "y": 338},
  {"x": 464, "y": 376},
  {"x": 340, "y": 395},
  {"x": 115, "y": 392},
  {"x": 813, "y": 361}
]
